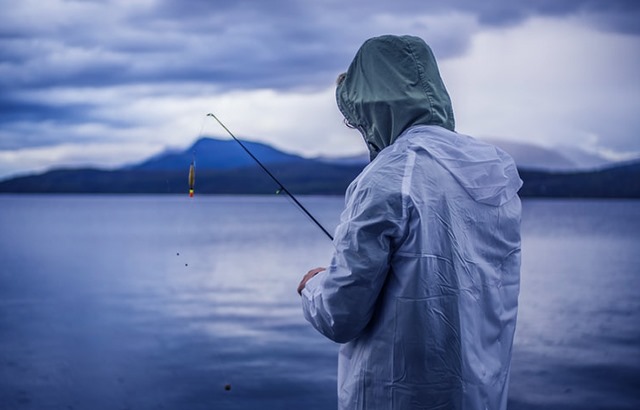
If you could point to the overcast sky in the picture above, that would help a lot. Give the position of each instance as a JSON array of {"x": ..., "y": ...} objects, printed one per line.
[{"x": 103, "y": 83}]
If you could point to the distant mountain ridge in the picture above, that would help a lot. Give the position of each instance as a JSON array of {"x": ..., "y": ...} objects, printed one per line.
[
  {"x": 562, "y": 158},
  {"x": 216, "y": 154},
  {"x": 222, "y": 167}
]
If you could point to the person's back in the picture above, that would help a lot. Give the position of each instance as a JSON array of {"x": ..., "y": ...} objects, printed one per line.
[{"x": 423, "y": 286}]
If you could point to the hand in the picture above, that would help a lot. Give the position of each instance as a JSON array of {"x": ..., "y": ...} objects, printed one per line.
[{"x": 309, "y": 275}]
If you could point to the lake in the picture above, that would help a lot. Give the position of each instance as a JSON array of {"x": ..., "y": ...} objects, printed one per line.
[{"x": 166, "y": 302}]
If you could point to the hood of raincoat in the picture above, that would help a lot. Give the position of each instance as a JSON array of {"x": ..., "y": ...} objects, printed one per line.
[{"x": 392, "y": 84}]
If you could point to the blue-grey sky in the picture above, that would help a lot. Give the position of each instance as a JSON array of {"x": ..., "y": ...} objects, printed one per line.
[{"x": 103, "y": 83}]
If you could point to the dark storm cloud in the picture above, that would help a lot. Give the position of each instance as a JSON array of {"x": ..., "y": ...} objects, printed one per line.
[
  {"x": 18, "y": 110},
  {"x": 613, "y": 15},
  {"x": 187, "y": 42},
  {"x": 244, "y": 44},
  {"x": 280, "y": 44}
]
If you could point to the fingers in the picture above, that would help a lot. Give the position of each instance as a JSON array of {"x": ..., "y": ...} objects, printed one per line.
[
  {"x": 315, "y": 271},
  {"x": 309, "y": 275}
]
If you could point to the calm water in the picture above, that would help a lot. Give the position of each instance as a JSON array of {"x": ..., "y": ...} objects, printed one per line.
[{"x": 159, "y": 302}]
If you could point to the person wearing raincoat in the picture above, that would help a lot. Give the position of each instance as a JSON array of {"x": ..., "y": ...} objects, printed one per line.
[{"x": 422, "y": 290}]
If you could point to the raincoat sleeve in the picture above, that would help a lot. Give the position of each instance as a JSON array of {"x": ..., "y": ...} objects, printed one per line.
[{"x": 340, "y": 301}]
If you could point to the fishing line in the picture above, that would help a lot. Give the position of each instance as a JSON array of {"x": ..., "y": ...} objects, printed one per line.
[
  {"x": 191, "y": 181},
  {"x": 281, "y": 187},
  {"x": 192, "y": 167}
]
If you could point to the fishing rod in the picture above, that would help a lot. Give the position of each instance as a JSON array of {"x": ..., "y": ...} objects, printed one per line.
[{"x": 282, "y": 187}]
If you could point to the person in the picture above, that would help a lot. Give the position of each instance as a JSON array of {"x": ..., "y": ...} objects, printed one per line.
[{"x": 422, "y": 290}]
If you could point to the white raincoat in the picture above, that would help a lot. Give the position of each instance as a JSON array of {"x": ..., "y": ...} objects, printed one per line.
[{"x": 423, "y": 286}]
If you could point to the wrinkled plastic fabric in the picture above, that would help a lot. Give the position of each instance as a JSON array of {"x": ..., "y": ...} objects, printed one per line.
[
  {"x": 423, "y": 286},
  {"x": 392, "y": 84}
]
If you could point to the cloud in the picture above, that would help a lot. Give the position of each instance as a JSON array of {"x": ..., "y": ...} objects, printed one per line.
[
  {"x": 103, "y": 155},
  {"x": 121, "y": 72},
  {"x": 551, "y": 82},
  {"x": 249, "y": 44},
  {"x": 304, "y": 123}
]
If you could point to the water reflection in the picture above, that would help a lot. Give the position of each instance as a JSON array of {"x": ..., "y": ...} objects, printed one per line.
[{"x": 159, "y": 302}]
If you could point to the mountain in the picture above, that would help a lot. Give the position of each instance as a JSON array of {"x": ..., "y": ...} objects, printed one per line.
[
  {"x": 222, "y": 167},
  {"x": 299, "y": 178},
  {"x": 616, "y": 181},
  {"x": 362, "y": 160},
  {"x": 216, "y": 154},
  {"x": 582, "y": 158},
  {"x": 534, "y": 156}
]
